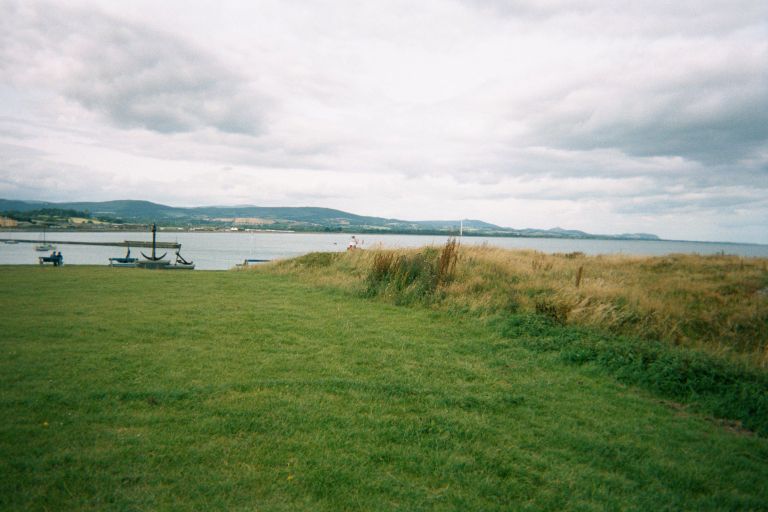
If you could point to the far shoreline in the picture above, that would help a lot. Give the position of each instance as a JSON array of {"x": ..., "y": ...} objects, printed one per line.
[{"x": 140, "y": 228}]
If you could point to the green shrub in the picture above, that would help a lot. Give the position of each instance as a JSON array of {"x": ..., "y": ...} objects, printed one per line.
[
  {"x": 411, "y": 277},
  {"x": 317, "y": 259},
  {"x": 716, "y": 386}
]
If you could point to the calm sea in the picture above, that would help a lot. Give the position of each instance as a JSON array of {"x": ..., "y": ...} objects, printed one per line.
[{"x": 221, "y": 251}]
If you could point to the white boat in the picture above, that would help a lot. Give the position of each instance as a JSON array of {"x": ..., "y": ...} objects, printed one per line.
[
  {"x": 44, "y": 246},
  {"x": 180, "y": 266}
]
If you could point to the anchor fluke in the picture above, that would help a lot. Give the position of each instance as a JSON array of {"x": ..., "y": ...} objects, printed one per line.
[
  {"x": 153, "y": 257},
  {"x": 180, "y": 259}
]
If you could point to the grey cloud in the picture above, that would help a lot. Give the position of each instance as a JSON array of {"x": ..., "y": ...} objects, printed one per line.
[
  {"x": 649, "y": 16},
  {"x": 737, "y": 129},
  {"x": 135, "y": 76},
  {"x": 11, "y": 128},
  {"x": 715, "y": 116},
  {"x": 684, "y": 79},
  {"x": 686, "y": 204},
  {"x": 27, "y": 173},
  {"x": 11, "y": 153}
]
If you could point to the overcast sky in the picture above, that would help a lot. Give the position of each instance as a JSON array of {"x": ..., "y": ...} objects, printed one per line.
[{"x": 611, "y": 117}]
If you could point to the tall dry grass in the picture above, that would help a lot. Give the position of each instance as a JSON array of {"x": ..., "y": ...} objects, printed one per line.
[{"x": 716, "y": 303}]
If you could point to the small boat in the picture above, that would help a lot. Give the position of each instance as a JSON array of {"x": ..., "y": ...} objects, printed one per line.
[
  {"x": 163, "y": 264},
  {"x": 44, "y": 246},
  {"x": 181, "y": 263},
  {"x": 153, "y": 264},
  {"x": 125, "y": 261},
  {"x": 251, "y": 261},
  {"x": 180, "y": 266},
  {"x": 11, "y": 241},
  {"x": 131, "y": 264}
]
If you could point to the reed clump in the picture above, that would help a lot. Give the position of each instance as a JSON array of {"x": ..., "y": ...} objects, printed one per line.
[
  {"x": 413, "y": 276},
  {"x": 715, "y": 303}
]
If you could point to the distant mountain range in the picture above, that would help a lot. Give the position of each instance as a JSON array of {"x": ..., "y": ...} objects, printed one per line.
[{"x": 288, "y": 218}]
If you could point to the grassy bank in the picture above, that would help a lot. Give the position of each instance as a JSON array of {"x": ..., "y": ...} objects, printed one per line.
[
  {"x": 139, "y": 390},
  {"x": 718, "y": 304},
  {"x": 689, "y": 328}
]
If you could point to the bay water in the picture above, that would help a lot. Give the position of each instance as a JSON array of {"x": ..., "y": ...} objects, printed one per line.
[{"x": 224, "y": 250}]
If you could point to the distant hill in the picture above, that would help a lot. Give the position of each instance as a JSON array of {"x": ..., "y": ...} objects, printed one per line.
[{"x": 290, "y": 218}]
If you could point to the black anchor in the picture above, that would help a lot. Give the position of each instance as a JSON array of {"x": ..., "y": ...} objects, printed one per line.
[{"x": 153, "y": 258}]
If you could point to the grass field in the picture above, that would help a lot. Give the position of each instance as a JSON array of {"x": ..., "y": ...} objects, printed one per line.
[
  {"x": 717, "y": 304},
  {"x": 140, "y": 390}
]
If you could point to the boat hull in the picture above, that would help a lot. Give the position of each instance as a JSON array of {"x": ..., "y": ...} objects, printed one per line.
[
  {"x": 150, "y": 264},
  {"x": 164, "y": 265},
  {"x": 122, "y": 265},
  {"x": 180, "y": 266}
]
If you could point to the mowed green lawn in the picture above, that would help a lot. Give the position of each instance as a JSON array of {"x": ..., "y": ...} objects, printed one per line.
[{"x": 124, "y": 389}]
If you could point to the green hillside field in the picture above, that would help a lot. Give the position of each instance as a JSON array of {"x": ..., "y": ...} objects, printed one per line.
[
  {"x": 126, "y": 389},
  {"x": 132, "y": 213}
]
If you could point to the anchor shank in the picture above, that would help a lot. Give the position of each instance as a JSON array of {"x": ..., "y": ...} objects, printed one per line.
[{"x": 154, "y": 235}]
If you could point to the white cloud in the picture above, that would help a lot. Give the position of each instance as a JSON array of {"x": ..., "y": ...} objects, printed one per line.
[
  {"x": 647, "y": 116},
  {"x": 134, "y": 76}
]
